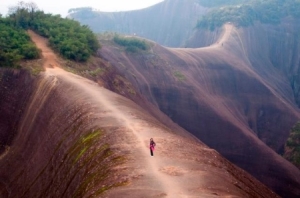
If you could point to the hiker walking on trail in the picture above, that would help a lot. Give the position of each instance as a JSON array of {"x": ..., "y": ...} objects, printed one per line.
[{"x": 152, "y": 146}]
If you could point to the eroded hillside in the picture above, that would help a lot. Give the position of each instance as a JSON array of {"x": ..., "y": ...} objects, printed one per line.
[
  {"x": 65, "y": 136},
  {"x": 234, "y": 94}
]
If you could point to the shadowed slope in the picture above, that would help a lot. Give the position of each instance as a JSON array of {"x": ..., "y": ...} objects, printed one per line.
[{"x": 219, "y": 95}]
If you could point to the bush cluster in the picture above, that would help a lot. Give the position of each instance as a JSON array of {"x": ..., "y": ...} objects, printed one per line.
[
  {"x": 15, "y": 45},
  {"x": 131, "y": 44},
  {"x": 292, "y": 147},
  {"x": 72, "y": 40},
  {"x": 66, "y": 36}
]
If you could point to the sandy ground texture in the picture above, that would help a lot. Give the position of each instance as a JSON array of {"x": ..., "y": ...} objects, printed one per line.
[{"x": 181, "y": 167}]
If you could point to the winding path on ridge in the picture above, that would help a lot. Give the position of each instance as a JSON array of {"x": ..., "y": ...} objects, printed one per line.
[
  {"x": 99, "y": 94},
  {"x": 172, "y": 172}
]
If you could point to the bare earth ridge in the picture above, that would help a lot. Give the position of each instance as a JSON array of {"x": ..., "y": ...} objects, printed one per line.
[
  {"x": 181, "y": 167},
  {"x": 227, "y": 93}
]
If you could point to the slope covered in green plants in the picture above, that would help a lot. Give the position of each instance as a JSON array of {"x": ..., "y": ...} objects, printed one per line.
[
  {"x": 245, "y": 14},
  {"x": 15, "y": 45},
  {"x": 67, "y": 37},
  {"x": 292, "y": 147}
]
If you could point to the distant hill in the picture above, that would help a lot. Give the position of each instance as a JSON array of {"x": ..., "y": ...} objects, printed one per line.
[
  {"x": 172, "y": 22},
  {"x": 169, "y": 23}
]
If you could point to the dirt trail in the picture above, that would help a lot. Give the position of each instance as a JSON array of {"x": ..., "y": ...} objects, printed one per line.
[
  {"x": 152, "y": 165},
  {"x": 101, "y": 96},
  {"x": 49, "y": 57},
  {"x": 228, "y": 28}
]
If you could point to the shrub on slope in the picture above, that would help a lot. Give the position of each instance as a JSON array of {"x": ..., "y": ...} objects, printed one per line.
[
  {"x": 72, "y": 40},
  {"x": 15, "y": 45},
  {"x": 68, "y": 37},
  {"x": 130, "y": 43},
  {"x": 292, "y": 147}
]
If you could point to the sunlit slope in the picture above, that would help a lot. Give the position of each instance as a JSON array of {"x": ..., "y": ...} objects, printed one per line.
[{"x": 227, "y": 94}]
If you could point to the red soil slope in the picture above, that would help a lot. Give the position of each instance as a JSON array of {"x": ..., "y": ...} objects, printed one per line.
[
  {"x": 231, "y": 98},
  {"x": 76, "y": 139}
]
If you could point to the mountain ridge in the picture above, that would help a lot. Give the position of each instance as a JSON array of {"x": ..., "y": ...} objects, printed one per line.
[
  {"x": 221, "y": 89},
  {"x": 95, "y": 143}
]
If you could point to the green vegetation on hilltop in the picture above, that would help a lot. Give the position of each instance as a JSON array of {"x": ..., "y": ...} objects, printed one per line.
[
  {"x": 265, "y": 11},
  {"x": 292, "y": 147},
  {"x": 15, "y": 45},
  {"x": 72, "y": 40},
  {"x": 67, "y": 37},
  {"x": 131, "y": 44}
]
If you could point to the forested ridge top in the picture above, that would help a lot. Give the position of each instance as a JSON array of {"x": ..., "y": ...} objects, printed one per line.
[
  {"x": 15, "y": 44},
  {"x": 66, "y": 36},
  {"x": 247, "y": 12}
]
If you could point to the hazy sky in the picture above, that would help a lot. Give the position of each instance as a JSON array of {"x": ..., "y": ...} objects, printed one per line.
[{"x": 62, "y": 6}]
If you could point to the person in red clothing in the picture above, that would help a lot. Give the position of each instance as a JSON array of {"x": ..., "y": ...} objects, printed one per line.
[{"x": 152, "y": 146}]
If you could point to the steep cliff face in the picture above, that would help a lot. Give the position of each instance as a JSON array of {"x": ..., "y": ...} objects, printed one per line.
[
  {"x": 228, "y": 94},
  {"x": 51, "y": 145},
  {"x": 169, "y": 23},
  {"x": 13, "y": 103}
]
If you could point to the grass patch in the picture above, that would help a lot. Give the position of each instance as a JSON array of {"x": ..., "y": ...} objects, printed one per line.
[
  {"x": 292, "y": 146},
  {"x": 131, "y": 44},
  {"x": 98, "y": 159},
  {"x": 96, "y": 72},
  {"x": 179, "y": 76}
]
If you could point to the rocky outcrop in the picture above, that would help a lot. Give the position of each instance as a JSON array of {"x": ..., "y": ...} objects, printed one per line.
[
  {"x": 169, "y": 23},
  {"x": 230, "y": 94}
]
